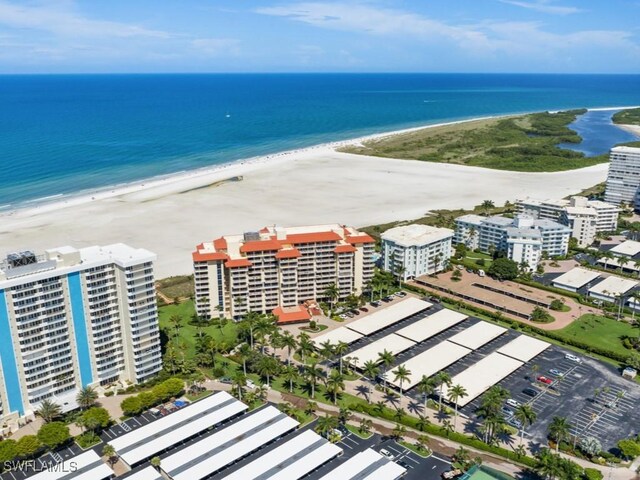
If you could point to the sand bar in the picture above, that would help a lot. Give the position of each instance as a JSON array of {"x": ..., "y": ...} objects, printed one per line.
[{"x": 310, "y": 186}]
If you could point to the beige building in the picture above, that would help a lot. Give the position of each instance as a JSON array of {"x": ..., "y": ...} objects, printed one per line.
[{"x": 279, "y": 268}]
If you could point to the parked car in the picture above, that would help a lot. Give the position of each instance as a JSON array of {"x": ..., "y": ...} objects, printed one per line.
[
  {"x": 507, "y": 411},
  {"x": 225, "y": 380},
  {"x": 402, "y": 294},
  {"x": 481, "y": 273},
  {"x": 403, "y": 464},
  {"x": 556, "y": 372},
  {"x": 250, "y": 384},
  {"x": 455, "y": 473},
  {"x": 386, "y": 453},
  {"x": 513, "y": 403},
  {"x": 515, "y": 422},
  {"x": 532, "y": 392},
  {"x": 364, "y": 309},
  {"x": 545, "y": 380},
  {"x": 375, "y": 304},
  {"x": 573, "y": 358}
]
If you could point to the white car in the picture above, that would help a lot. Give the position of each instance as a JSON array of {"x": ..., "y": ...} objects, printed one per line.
[
  {"x": 250, "y": 384},
  {"x": 513, "y": 403},
  {"x": 573, "y": 358},
  {"x": 386, "y": 453}
]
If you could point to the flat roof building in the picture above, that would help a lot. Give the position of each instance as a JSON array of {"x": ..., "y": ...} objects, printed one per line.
[
  {"x": 628, "y": 248},
  {"x": 276, "y": 269},
  {"x": 623, "y": 179},
  {"x": 411, "y": 251},
  {"x": 575, "y": 279},
  {"x": 72, "y": 318},
  {"x": 612, "y": 288}
]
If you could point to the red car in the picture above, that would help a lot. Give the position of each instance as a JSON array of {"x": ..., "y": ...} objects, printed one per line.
[{"x": 545, "y": 380}]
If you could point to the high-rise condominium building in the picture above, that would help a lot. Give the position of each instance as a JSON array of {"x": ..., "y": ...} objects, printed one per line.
[
  {"x": 279, "y": 268},
  {"x": 415, "y": 250},
  {"x": 624, "y": 176},
  {"x": 75, "y": 318},
  {"x": 522, "y": 239},
  {"x": 585, "y": 217}
]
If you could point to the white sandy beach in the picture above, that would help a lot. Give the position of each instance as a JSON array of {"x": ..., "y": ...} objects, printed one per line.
[{"x": 315, "y": 185}]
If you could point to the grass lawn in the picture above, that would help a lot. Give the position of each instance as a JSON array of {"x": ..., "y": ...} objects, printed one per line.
[
  {"x": 188, "y": 333},
  {"x": 356, "y": 431},
  {"x": 600, "y": 332},
  {"x": 415, "y": 449}
]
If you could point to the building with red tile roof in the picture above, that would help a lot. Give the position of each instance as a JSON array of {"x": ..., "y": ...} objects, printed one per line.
[{"x": 279, "y": 268}]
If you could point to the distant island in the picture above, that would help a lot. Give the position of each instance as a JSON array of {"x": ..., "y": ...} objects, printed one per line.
[{"x": 524, "y": 143}]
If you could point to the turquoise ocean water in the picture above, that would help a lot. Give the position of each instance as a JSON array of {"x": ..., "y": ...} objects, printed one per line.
[{"x": 61, "y": 134}]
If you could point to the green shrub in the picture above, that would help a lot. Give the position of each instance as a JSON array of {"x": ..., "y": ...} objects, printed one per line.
[
  {"x": 28, "y": 446},
  {"x": 8, "y": 450},
  {"x": 592, "y": 474},
  {"x": 54, "y": 434},
  {"x": 108, "y": 393},
  {"x": 131, "y": 406}
]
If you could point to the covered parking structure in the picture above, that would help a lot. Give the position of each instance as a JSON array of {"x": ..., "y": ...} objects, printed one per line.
[
  {"x": 367, "y": 465},
  {"x": 388, "y": 316},
  {"x": 334, "y": 337},
  {"x": 575, "y": 279},
  {"x": 524, "y": 348},
  {"x": 147, "y": 473},
  {"x": 166, "y": 432},
  {"x": 477, "y": 335},
  {"x": 432, "y": 325},
  {"x": 429, "y": 363},
  {"x": 612, "y": 288},
  {"x": 293, "y": 459},
  {"x": 392, "y": 343},
  {"x": 86, "y": 466},
  {"x": 481, "y": 376},
  {"x": 628, "y": 248},
  {"x": 212, "y": 453}
]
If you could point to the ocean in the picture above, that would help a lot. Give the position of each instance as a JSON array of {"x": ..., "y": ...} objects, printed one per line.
[{"x": 61, "y": 134}]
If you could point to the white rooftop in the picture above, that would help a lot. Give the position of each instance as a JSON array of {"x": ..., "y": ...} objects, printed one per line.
[
  {"x": 429, "y": 363},
  {"x": 576, "y": 277},
  {"x": 477, "y": 335},
  {"x": 432, "y": 325},
  {"x": 340, "y": 334},
  {"x": 416, "y": 235},
  {"x": 524, "y": 348},
  {"x": 389, "y": 315},
  {"x": 624, "y": 149},
  {"x": 148, "y": 473},
  {"x": 628, "y": 248},
  {"x": 367, "y": 465},
  {"x": 612, "y": 286},
  {"x": 482, "y": 375},
  {"x": 86, "y": 466},
  {"x": 392, "y": 343}
]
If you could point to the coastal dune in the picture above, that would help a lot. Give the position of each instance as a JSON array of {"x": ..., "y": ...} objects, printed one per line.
[{"x": 311, "y": 186}]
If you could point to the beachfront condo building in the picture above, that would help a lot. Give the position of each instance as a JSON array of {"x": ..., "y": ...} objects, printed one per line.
[
  {"x": 624, "y": 177},
  {"x": 524, "y": 240},
  {"x": 72, "y": 318},
  {"x": 277, "y": 269},
  {"x": 411, "y": 251},
  {"x": 584, "y": 217}
]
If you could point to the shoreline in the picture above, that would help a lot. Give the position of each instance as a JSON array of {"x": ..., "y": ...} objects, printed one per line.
[{"x": 204, "y": 177}]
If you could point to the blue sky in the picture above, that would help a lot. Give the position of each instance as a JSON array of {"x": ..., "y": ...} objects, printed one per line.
[{"x": 559, "y": 36}]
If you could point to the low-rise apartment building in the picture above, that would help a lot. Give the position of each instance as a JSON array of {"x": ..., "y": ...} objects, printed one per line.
[
  {"x": 585, "y": 217},
  {"x": 74, "y": 318},
  {"x": 279, "y": 268},
  {"x": 414, "y": 250},
  {"x": 522, "y": 239}
]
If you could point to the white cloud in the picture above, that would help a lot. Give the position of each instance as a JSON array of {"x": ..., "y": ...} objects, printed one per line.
[
  {"x": 217, "y": 46},
  {"x": 61, "y": 20},
  {"x": 543, "y": 6}
]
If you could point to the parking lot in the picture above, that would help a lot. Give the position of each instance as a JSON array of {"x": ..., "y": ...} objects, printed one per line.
[{"x": 33, "y": 467}]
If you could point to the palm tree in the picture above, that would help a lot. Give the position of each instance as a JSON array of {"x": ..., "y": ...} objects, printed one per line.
[
  {"x": 155, "y": 462},
  {"x": 456, "y": 393},
  {"x": 305, "y": 347},
  {"x": 311, "y": 407},
  {"x": 423, "y": 422},
  {"x": 387, "y": 359},
  {"x": 526, "y": 416},
  {"x": 86, "y": 397},
  {"x": 344, "y": 415},
  {"x": 422, "y": 441},
  {"x": 327, "y": 350},
  {"x": 176, "y": 322},
  {"x": 313, "y": 373},
  {"x": 290, "y": 375},
  {"x": 486, "y": 206},
  {"x": 370, "y": 370},
  {"x": 442, "y": 379},
  {"x": 559, "y": 430},
  {"x": 399, "y": 431},
  {"x": 110, "y": 453},
  {"x": 447, "y": 426},
  {"x": 244, "y": 352},
  {"x": 425, "y": 387},
  {"x": 267, "y": 367},
  {"x": 365, "y": 425},
  {"x": 326, "y": 424},
  {"x": 340, "y": 349},
  {"x": 335, "y": 384},
  {"x": 239, "y": 382},
  {"x": 331, "y": 293},
  {"x": 49, "y": 410},
  {"x": 289, "y": 342},
  {"x": 402, "y": 374}
]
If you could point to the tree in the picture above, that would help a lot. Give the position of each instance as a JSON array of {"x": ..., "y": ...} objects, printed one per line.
[
  {"x": 370, "y": 370},
  {"x": 540, "y": 315},
  {"x": 312, "y": 374},
  {"x": 559, "y": 430},
  {"x": 110, "y": 453},
  {"x": 49, "y": 410},
  {"x": 387, "y": 359},
  {"x": 425, "y": 387},
  {"x": 96, "y": 418},
  {"x": 54, "y": 434},
  {"x": 305, "y": 346},
  {"x": 86, "y": 397},
  {"x": 8, "y": 450},
  {"x": 290, "y": 375},
  {"x": 238, "y": 383},
  {"x": 462, "y": 456},
  {"x": 503, "y": 269},
  {"x": 630, "y": 448},
  {"x": 557, "y": 305},
  {"x": 341, "y": 349},
  {"x": 456, "y": 393},
  {"x": 244, "y": 352},
  {"x": 486, "y": 206},
  {"x": 267, "y": 367},
  {"x": 526, "y": 416},
  {"x": 28, "y": 446},
  {"x": 422, "y": 441},
  {"x": 365, "y": 426},
  {"x": 131, "y": 406},
  {"x": 331, "y": 293},
  {"x": 591, "y": 446},
  {"x": 344, "y": 415},
  {"x": 402, "y": 374},
  {"x": 399, "y": 432},
  {"x": 289, "y": 342},
  {"x": 326, "y": 424},
  {"x": 442, "y": 379},
  {"x": 456, "y": 276},
  {"x": 155, "y": 462},
  {"x": 335, "y": 384}
]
